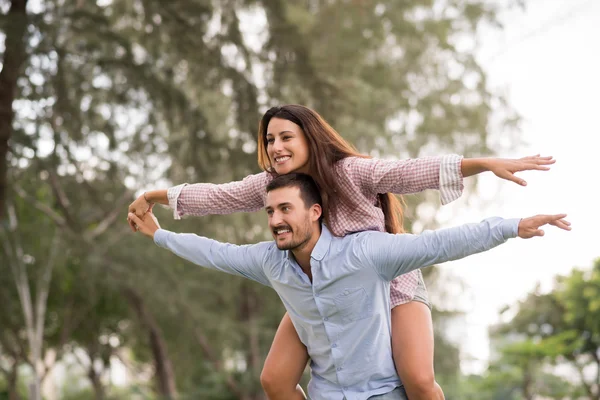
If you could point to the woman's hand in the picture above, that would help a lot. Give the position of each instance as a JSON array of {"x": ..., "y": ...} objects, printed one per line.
[
  {"x": 139, "y": 207},
  {"x": 506, "y": 168}
]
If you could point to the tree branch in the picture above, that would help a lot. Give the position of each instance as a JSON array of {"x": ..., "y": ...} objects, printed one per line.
[
  {"x": 53, "y": 215},
  {"x": 110, "y": 218},
  {"x": 42, "y": 289}
]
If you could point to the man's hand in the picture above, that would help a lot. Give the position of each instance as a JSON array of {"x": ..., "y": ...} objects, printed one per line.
[
  {"x": 506, "y": 168},
  {"x": 530, "y": 227},
  {"x": 146, "y": 225},
  {"x": 139, "y": 207}
]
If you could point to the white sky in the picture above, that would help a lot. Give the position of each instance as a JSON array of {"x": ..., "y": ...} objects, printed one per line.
[{"x": 548, "y": 58}]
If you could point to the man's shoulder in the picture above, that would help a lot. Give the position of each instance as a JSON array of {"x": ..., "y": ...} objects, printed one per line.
[
  {"x": 268, "y": 245},
  {"x": 366, "y": 235},
  {"x": 362, "y": 238}
]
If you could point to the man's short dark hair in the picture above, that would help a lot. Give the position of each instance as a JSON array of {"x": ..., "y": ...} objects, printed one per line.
[{"x": 309, "y": 191}]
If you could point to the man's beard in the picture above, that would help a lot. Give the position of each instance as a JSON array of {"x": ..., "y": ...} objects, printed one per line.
[{"x": 299, "y": 238}]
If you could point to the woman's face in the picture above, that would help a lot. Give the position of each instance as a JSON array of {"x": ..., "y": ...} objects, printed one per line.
[{"x": 287, "y": 146}]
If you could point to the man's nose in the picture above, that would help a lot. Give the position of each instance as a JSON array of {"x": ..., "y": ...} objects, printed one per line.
[{"x": 276, "y": 219}]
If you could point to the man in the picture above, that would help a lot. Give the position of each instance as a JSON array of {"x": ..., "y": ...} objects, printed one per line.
[{"x": 336, "y": 290}]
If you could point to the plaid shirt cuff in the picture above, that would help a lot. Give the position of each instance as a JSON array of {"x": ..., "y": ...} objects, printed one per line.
[
  {"x": 451, "y": 179},
  {"x": 173, "y": 196}
]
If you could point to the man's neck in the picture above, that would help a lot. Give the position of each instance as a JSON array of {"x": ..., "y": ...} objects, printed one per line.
[{"x": 302, "y": 254}]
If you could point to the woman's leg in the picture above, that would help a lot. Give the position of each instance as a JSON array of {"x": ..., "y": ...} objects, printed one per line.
[
  {"x": 412, "y": 346},
  {"x": 285, "y": 364}
]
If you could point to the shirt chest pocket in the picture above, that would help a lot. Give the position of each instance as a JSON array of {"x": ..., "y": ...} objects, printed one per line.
[{"x": 353, "y": 304}]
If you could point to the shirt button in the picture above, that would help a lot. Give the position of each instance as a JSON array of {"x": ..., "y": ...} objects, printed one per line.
[
  {"x": 325, "y": 319},
  {"x": 316, "y": 294},
  {"x": 345, "y": 388},
  {"x": 346, "y": 292},
  {"x": 339, "y": 368},
  {"x": 334, "y": 345}
]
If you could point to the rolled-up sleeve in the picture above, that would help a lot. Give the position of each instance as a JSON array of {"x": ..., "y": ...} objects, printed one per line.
[
  {"x": 200, "y": 199},
  {"x": 451, "y": 179}
]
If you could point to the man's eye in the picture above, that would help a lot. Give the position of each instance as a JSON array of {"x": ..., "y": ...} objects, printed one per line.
[
  {"x": 269, "y": 212},
  {"x": 285, "y": 209}
]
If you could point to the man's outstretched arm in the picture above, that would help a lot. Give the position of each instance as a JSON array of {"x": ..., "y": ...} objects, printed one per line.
[
  {"x": 246, "y": 261},
  {"x": 394, "y": 255}
]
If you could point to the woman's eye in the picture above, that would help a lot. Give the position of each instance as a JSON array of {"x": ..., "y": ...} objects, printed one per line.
[{"x": 270, "y": 140}]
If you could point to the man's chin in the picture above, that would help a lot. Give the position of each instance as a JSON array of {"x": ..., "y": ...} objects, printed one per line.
[{"x": 284, "y": 244}]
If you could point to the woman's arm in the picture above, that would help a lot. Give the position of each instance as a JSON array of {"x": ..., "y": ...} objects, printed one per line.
[
  {"x": 443, "y": 173},
  {"x": 199, "y": 199},
  {"x": 373, "y": 176}
]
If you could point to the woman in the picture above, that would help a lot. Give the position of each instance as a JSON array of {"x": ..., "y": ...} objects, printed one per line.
[{"x": 356, "y": 193}]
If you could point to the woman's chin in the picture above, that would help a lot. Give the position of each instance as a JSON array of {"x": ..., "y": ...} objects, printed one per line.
[{"x": 283, "y": 169}]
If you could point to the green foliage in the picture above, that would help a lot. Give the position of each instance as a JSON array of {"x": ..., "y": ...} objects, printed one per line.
[{"x": 559, "y": 328}]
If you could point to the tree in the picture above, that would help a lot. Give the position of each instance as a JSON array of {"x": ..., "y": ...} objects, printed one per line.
[
  {"x": 15, "y": 28},
  {"x": 557, "y": 328}
]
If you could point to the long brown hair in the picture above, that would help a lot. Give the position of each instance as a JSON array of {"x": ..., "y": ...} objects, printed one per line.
[{"x": 326, "y": 148}]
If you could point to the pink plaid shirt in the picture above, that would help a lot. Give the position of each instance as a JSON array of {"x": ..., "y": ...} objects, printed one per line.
[{"x": 362, "y": 178}]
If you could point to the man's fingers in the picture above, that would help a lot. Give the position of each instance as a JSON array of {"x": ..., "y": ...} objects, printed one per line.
[
  {"x": 562, "y": 224},
  {"x": 134, "y": 219},
  {"x": 546, "y": 218},
  {"x": 539, "y": 232},
  {"x": 552, "y": 220}
]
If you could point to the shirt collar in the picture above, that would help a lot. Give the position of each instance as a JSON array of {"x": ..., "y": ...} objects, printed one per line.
[{"x": 322, "y": 246}]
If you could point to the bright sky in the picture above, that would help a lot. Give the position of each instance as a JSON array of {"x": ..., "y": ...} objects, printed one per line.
[{"x": 548, "y": 59}]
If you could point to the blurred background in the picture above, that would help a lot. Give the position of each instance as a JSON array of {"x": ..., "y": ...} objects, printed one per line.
[{"x": 113, "y": 97}]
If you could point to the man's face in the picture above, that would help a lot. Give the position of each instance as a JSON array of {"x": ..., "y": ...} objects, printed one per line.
[{"x": 292, "y": 224}]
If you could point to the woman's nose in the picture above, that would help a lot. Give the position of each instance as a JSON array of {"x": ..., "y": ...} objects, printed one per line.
[{"x": 277, "y": 145}]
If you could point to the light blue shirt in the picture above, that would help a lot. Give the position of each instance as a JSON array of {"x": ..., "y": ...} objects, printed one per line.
[{"x": 343, "y": 317}]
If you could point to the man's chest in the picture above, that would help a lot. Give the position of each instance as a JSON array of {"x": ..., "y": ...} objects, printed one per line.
[{"x": 338, "y": 293}]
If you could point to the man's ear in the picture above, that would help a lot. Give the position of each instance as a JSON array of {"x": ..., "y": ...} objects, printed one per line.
[{"x": 316, "y": 212}]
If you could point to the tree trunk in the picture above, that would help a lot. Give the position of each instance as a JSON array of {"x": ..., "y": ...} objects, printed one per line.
[
  {"x": 163, "y": 367},
  {"x": 249, "y": 313},
  {"x": 96, "y": 383},
  {"x": 11, "y": 382},
  {"x": 527, "y": 382},
  {"x": 14, "y": 56}
]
